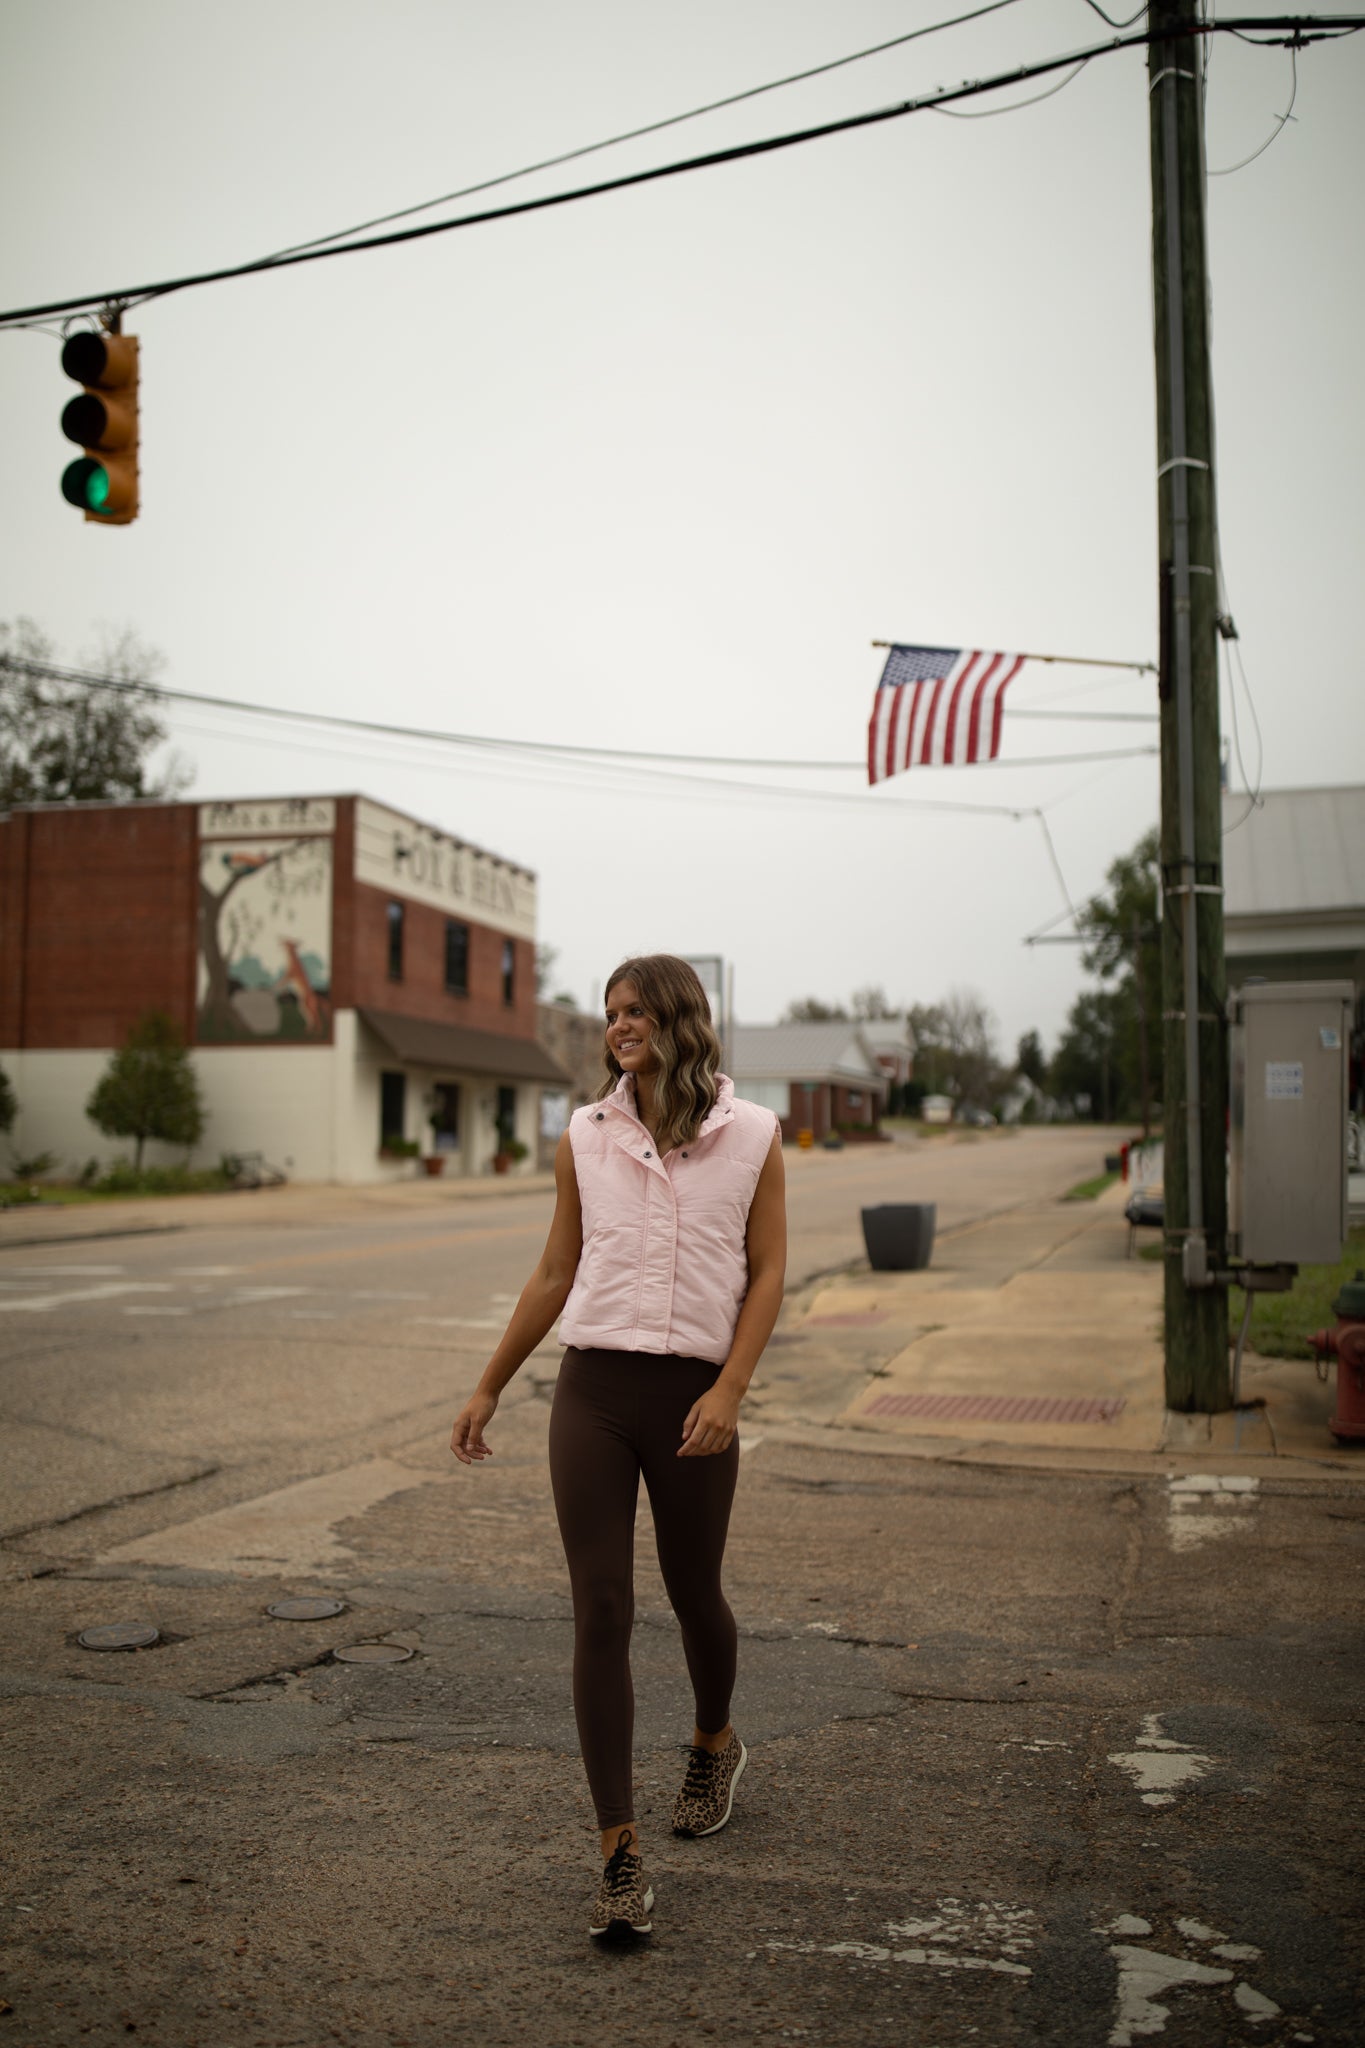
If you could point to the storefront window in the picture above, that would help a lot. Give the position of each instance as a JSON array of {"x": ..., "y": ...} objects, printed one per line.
[
  {"x": 395, "y": 942},
  {"x": 457, "y": 957}
]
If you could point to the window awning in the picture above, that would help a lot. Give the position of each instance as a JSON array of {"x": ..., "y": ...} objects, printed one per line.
[{"x": 458, "y": 1050}]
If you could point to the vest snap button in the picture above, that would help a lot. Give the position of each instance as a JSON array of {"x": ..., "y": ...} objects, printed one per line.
[
  {"x": 600, "y": 1114},
  {"x": 649, "y": 1155}
]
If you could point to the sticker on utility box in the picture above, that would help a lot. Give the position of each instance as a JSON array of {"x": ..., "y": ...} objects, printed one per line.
[
  {"x": 1284, "y": 1080},
  {"x": 1331, "y": 1038}
]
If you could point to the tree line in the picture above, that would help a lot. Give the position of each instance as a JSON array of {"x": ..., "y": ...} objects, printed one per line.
[{"x": 1107, "y": 1064}]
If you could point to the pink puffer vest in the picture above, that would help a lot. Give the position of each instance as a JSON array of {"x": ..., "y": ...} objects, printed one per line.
[{"x": 663, "y": 1265}]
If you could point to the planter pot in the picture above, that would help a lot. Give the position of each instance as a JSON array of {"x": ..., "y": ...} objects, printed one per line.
[
  {"x": 899, "y": 1235},
  {"x": 502, "y": 1162},
  {"x": 434, "y": 1164}
]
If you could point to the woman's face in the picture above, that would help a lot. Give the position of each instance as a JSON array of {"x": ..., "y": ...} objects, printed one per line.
[{"x": 629, "y": 1030}]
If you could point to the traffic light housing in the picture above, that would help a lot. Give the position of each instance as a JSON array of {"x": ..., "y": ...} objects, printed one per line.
[{"x": 103, "y": 422}]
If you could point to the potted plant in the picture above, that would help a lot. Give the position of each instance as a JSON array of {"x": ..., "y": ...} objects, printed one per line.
[
  {"x": 391, "y": 1146},
  {"x": 509, "y": 1151}
]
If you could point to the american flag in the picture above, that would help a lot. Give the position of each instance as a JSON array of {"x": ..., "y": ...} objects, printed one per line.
[{"x": 937, "y": 707}]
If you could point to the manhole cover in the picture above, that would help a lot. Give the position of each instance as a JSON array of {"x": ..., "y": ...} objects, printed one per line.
[
  {"x": 119, "y": 1635},
  {"x": 306, "y": 1610},
  {"x": 372, "y": 1653}
]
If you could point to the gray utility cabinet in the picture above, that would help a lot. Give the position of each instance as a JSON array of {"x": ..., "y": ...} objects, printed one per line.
[{"x": 1289, "y": 1052}]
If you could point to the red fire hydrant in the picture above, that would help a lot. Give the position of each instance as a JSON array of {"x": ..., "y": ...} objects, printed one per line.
[{"x": 1347, "y": 1341}]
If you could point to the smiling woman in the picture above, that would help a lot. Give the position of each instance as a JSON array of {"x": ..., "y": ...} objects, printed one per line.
[{"x": 665, "y": 1259}]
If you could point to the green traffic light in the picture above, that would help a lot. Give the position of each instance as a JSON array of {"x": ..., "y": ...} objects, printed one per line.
[{"x": 86, "y": 483}]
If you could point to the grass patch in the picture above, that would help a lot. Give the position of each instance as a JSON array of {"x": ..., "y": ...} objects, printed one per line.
[
  {"x": 1088, "y": 1190},
  {"x": 119, "y": 1183},
  {"x": 1281, "y": 1324}
]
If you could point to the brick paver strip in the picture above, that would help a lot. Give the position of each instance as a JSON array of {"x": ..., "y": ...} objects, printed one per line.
[{"x": 999, "y": 1407}]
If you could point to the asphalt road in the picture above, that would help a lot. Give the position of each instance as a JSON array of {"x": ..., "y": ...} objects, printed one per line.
[
  {"x": 1035, "y": 1757},
  {"x": 271, "y": 1337}
]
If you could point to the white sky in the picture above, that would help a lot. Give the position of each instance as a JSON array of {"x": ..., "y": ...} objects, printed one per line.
[{"x": 653, "y": 470}]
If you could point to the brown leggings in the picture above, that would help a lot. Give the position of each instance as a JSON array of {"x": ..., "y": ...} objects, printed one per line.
[{"x": 617, "y": 1414}]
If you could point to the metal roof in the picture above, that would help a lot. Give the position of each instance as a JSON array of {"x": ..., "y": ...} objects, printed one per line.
[
  {"x": 889, "y": 1034},
  {"x": 802, "y": 1052},
  {"x": 1299, "y": 851}
]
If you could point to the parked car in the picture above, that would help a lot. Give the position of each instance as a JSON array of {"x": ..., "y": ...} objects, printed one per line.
[{"x": 979, "y": 1119}]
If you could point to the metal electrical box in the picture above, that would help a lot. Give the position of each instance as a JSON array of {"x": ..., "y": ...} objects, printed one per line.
[{"x": 1289, "y": 1055}]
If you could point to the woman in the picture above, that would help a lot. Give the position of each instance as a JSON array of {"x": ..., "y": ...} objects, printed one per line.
[{"x": 665, "y": 1259}]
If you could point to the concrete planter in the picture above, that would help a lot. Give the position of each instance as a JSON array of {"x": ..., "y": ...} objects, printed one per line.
[{"x": 899, "y": 1235}]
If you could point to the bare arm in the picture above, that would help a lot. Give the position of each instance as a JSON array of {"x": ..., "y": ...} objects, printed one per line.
[
  {"x": 541, "y": 1302},
  {"x": 713, "y": 1420}
]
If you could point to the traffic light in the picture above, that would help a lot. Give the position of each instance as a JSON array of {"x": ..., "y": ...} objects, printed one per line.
[{"x": 102, "y": 421}]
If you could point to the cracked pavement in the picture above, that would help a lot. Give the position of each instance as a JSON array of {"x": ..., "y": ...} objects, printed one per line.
[{"x": 1025, "y": 1766}]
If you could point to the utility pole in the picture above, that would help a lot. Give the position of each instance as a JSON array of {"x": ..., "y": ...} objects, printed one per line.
[{"x": 1193, "y": 975}]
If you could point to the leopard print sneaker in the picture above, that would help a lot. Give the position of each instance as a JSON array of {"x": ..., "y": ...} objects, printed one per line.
[
  {"x": 703, "y": 1805},
  {"x": 626, "y": 1899}
]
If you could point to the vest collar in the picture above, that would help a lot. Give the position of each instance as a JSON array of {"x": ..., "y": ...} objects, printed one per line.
[{"x": 622, "y": 1098}]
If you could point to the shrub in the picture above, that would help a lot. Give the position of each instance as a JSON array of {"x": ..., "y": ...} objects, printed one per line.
[{"x": 149, "y": 1089}]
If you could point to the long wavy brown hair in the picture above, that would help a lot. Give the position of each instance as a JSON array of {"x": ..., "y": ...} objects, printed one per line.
[{"x": 683, "y": 1041}]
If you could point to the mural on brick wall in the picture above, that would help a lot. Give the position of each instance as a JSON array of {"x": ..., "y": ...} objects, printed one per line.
[{"x": 265, "y": 941}]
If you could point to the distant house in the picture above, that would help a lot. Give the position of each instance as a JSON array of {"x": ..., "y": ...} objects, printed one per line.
[
  {"x": 817, "y": 1077},
  {"x": 1294, "y": 892},
  {"x": 891, "y": 1040}
]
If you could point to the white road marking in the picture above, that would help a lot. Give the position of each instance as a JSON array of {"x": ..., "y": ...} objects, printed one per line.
[
  {"x": 205, "y": 1272},
  {"x": 34, "y": 1304},
  {"x": 954, "y": 1936},
  {"x": 749, "y": 1440},
  {"x": 145, "y": 1308},
  {"x": 312, "y": 1315},
  {"x": 1145, "y": 1976},
  {"x": 460, "y": 1322},
  {"x": 247, "y": 1294},
  {"x": 1202, "y": 1506},
  {"x": 1159, "y": 1766},
  {"x": 44, "y": 1272},
  {"x": 1257, "y": 2007},
  {"x": 388, "y": 1294}
]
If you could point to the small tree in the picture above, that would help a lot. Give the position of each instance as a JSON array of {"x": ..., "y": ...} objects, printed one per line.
[
  {"x": 149, "y": 1089},
  {"x": 811, "y": 1010}
]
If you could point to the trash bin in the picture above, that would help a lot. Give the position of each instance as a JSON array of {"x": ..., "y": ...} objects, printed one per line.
[{"x": 899, "y": 1235}]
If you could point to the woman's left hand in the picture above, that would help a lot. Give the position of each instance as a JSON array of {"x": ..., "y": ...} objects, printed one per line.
[{"x": 711, "y": 1423}]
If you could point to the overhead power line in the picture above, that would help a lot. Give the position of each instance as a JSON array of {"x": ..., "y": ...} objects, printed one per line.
[
  {"x": 569, "y": 156},
  {"x": 491, "y": 743},
  {"x": 1296, "y": 30}
]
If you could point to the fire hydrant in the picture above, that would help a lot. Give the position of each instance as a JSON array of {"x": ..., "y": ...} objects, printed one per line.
[{"x": 1347, "y": 1341}]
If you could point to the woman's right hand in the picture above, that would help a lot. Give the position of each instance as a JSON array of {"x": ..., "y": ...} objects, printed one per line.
[{"x": 466, "y": 1439}]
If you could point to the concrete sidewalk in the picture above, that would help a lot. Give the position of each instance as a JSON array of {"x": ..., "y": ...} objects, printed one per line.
[
  {"x": 38, "y": 1223},
  {"x": 1031, "y": 1339}
]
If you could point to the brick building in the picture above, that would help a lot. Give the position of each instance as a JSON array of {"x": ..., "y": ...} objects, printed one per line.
[
  {"x": 346, "y": 976},
  {"x": 816, "y": 1077}
]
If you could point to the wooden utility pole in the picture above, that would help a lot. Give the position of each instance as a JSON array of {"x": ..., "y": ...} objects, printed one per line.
[{"x": 1192, "y": 966}]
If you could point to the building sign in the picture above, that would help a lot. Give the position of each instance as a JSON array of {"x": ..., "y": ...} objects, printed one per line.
[
  {"x": 286, "y": 816},
  {"x": 407, "y": 859},
  {"x": 265, "y": 939}
]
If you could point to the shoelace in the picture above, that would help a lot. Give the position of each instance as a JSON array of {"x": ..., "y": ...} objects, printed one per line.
[
  {"x": 701, "y": 1768},
  {"x": 622, "y": 1868}
]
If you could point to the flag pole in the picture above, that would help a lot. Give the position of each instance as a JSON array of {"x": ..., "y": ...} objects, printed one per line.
[{"x": 1072, "y": 660}]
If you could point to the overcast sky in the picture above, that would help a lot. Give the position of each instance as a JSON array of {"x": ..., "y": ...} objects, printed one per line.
[{"x": 652, "y": 471}]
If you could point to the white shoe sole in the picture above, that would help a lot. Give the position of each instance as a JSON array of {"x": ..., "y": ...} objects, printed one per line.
[
  {"x": 697, "y": 1834},
  {"x": 635, "y": 1926}
]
